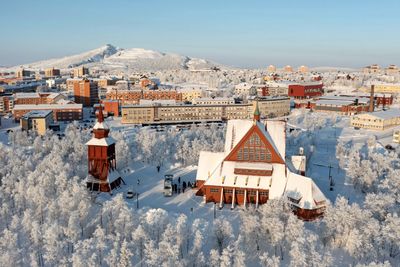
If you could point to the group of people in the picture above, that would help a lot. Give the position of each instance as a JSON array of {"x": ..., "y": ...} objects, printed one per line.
[{"x": 178, "y": 188}]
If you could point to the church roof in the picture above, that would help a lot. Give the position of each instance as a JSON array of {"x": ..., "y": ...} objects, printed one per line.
[
  {"x": 215, "y": 170},
  {"x": 101, "y": 142}
]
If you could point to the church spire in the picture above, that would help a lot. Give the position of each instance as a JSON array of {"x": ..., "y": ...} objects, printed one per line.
[
  {"x": 100, "y": 115},
  {"x": 256, "y": 115}
]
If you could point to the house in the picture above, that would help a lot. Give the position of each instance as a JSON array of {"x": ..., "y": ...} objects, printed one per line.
[{"x": 253, "y": 169}]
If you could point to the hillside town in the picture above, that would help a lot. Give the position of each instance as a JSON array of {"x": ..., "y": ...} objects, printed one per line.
[{"x": 243, "y": 134}]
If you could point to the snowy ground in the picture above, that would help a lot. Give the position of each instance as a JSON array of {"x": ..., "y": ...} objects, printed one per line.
[{"x": 150, "y": 188}]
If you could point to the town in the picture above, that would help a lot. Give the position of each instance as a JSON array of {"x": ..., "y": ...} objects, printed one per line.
[{"x": 261, "y": 139}]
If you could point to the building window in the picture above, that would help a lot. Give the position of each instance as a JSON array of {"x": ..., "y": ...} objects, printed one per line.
[{"x": 214, "y": 190}]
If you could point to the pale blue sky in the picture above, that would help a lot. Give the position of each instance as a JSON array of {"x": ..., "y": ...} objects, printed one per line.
[{"x": 251, "y": 33}]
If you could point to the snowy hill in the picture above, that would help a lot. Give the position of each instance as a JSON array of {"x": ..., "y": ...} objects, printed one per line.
[{"x": 111, "y": 58}]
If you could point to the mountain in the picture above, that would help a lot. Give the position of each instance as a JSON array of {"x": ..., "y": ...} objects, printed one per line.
[{"x": 112, "y": 58}]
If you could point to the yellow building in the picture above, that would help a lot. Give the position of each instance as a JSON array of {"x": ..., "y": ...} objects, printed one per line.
[
  {"x": 271, "y": 107},
  {"x": 288, "y": 68},
  {"x": 271, "y": 68},
  {"x": 137, "y": 114},
  {"x": 190, "y": 94},
  {"x": 374, "y": 68},
  {"x": 396, "y": 137},
  {"x": 392, "y": 69},
  {"x": 37, "y": 121},
  {"x": 80, "y": 72},
  {"x": 387, "y": 88},
  {"x": 303, "y": 69},
  {"x": 379, "y": 121}
]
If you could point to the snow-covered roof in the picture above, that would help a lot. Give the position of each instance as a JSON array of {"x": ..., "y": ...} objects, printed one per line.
[
  {"x": 48, "y": 106},
  {"x": 386, "y": 114},
  {"x": 38, "y": 114},
  {"x": 304, "y": 189},
  {"x": 26, "y": 95},
  {"x": 100, "y": 125},
  {"x": 244, "y": 86},
  {"x": 101, "y": 142},
  {"x": 216, "y": 172}
]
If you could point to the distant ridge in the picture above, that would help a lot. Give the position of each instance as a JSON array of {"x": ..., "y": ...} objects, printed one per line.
[{"x": 109, "y": 57}]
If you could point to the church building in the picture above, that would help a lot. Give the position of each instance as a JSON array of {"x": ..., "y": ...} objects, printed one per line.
[
  {"x": 253, "y": 169},
  {"x": 103, "y": 175}
]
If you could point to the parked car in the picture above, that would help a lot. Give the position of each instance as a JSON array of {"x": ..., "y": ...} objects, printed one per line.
[{"x": 130, "y": 193}]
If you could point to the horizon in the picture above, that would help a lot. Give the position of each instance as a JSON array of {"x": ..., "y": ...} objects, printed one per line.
[{"x": 339, "y": 34}]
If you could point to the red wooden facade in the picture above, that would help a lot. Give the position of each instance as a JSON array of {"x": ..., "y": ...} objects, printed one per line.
[
  {"x": 101, "y": 159},
  {"x": 301, "y": 91}
]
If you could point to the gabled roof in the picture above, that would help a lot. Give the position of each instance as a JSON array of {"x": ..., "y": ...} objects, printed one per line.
[
  {"x": 304, "y": 190},
  {"x": 275, "y": 134}
]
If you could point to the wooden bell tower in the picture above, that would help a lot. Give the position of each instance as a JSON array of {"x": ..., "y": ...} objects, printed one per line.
[{"x": 103, "y": 175}]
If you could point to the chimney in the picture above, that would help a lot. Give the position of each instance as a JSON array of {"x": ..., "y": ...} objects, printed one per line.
[{"x": 371, "y": 99}]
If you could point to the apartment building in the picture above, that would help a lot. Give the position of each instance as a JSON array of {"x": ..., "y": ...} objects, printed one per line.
[
  {"x": 37, "y": 98},
  {"x": 379, "y": 120},
  {"x": 61, "y": 112},
  {"x": 52, "y": 72},
  {"x": 37, "y": 121},
  {"x": 6, "y": 103},
  {"x": 81, "y": 72},
  {"x": 270, "y": 106},
  {"x": 86, "y": 93},
  {"x": 190, "y": 94},
  {"x": 213, "y": 101}
]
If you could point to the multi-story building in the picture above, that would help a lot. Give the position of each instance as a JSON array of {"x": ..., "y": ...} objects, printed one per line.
[
  {"x": 86, "y": 92},
  {"x": 305, "y": 90},
  {"x": 125, "y": 97},
  {"x": 129, "y": 97},
  {"x": 392, "y": 69},
  {"x": 190, "y": 94},
  {"x": 277, "y": 88},
  {"x": 37, "y": 121},
  {"x": 71, "y": 83},
  {"x": 391, "y": 88},
  {"x": 213, "y": 101},
  {"x": 270, "y": 107},
  {"x": 396, "y": 136},
  {"x": 22, "y": 73},
  {"x": 158, "y": 113},
  {"x": 245, "y": 89},
  {"x": 374, "y": 68},
  {"x": 288, "y": 69},
  {"x": 303, "y": 69},
  {"x": 379, "y": 120},
  {"x": 271, "y": 69},
  {"x": 61, "y": 112},
  {"x": 37, "y": 98},
  {"x": 52, "y": 72},
  {"x": 111, "y": 107},
  {"x": 81, "y": 72},
  {"x": 6, "y": 103},
  {"x": 162, "y": 95}
]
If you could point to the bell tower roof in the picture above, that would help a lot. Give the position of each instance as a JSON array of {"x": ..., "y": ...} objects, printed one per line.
[{"x": 257, "y": 114}]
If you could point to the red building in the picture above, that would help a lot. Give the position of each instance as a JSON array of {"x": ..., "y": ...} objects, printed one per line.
[
  {"x": 112, "y": 107},
  {"x": 253, "y": 169},
  {"x": 86, "y": 93},
  {"x": 306, "y": 90},
  {"x": 103, "y": 175}
]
